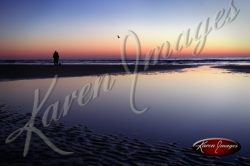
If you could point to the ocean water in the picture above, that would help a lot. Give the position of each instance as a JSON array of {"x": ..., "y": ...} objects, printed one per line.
[
  {"x": 184, "y": 106},
  {"x": 244, "y": 60}
]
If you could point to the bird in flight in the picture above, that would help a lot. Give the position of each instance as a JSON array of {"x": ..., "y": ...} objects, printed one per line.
[{"x": 118, "y": 36}]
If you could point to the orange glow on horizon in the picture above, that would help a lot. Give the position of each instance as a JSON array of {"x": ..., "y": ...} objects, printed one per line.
[{"x": 106, "y": 49}]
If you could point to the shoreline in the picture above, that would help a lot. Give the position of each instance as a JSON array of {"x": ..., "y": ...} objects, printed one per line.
[{"x": 15, "y": 72}]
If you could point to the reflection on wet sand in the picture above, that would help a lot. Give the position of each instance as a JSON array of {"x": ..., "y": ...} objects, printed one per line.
[
  {"x": 90, "y": 148},
  {"x": 193, "y": 103}
]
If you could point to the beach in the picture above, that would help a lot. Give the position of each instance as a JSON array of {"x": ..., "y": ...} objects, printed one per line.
[
  {"x": 235, "y": 68},
  {"x": 49, "y": 71},
  {"x": 124, "y": 83},
  {"x": 92, "y": 147}
]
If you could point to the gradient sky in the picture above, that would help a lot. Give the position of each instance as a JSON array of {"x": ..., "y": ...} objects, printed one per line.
[{"x": 88, "y": 28}]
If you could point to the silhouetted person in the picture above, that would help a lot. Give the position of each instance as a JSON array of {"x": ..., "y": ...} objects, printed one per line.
[{"x": 56, "y": 58}]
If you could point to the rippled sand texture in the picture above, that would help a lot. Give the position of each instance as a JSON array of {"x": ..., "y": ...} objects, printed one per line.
[{"x": 92, "y": 148}]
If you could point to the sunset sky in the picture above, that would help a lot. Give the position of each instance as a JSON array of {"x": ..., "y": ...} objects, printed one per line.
[{"x": 33, "y": 29}]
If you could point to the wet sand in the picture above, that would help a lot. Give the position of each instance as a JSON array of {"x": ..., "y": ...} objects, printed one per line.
[
  {"x": 12, "y": 72},
  {"x": 235, "y": 68},
  {"x": 91, "y": 148}
]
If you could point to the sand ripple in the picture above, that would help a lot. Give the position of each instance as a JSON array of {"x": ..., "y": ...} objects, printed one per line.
[{"x": 92, "y": 148}]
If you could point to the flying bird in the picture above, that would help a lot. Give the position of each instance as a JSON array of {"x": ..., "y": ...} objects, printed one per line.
[{"x": 118, "y": 36}]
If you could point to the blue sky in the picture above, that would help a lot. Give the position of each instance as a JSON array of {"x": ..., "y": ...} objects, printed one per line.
[{"x": 27, "y": 25}]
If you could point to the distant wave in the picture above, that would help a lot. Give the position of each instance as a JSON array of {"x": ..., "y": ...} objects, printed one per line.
[{"x": 162, "y": 61}]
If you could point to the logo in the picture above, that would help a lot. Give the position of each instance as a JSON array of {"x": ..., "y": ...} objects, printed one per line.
[{"x": 216, "y": 146}]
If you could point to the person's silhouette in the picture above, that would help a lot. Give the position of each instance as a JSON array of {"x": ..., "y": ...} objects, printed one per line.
[{"x": 56, "y": 58}]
